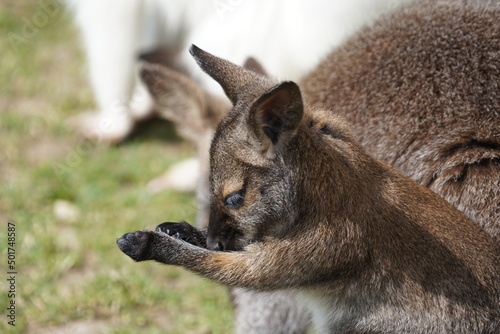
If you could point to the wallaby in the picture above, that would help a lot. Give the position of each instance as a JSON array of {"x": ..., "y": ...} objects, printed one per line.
[
  {"x": 421, "y": 92},
  {"x": 303, "y": 207},
  {"x": 440, "y": 128},
  {"x": 465, "y": 170},
  {"x": 196, "y": 113}
]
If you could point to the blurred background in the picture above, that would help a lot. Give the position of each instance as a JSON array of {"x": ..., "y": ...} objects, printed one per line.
[{"x": 70, "y": 199}]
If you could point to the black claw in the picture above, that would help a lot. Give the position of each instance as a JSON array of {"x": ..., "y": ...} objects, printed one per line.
[
  {"x": 183, "y": 231},
  {"x": 178, "y": 230}
]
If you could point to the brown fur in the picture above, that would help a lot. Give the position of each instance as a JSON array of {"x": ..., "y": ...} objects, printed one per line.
[
  {"x": 368, "y": 249},
  {"x": 380, "y": 83},
  {"x": 426, "y": 99}
]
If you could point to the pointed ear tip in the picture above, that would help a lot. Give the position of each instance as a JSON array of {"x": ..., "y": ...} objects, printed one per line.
[
  {"x": 290, "y": 84},
  {"x": 195, "y": 51},
  {"x": 293, "y": 87}
]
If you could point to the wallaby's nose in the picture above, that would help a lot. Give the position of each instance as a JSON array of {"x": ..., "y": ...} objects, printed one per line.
[{"x": 215, "y": 245}]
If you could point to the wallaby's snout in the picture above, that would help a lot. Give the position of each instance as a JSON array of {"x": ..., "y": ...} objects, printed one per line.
[
  {"x": 223, "y": 242},
  {"x": 222, "y": 234}
]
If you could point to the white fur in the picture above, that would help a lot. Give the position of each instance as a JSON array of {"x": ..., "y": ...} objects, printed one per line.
[{"x": 288, "y": 37}]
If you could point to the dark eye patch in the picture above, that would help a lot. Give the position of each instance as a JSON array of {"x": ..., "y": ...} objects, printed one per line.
[{"x": 235, "y": 199}]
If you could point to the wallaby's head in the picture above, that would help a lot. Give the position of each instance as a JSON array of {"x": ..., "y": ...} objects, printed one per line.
[{"x": 250, "y": 187}]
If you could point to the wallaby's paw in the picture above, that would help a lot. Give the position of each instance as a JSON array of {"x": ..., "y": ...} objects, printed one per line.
[
  {"x": 183, "y": 231},
  {"x": 180, "y": 230},
  {"x": 137, "y": 245}
]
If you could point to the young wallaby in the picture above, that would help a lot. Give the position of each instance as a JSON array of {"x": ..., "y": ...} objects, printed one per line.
[
  {"x": 441, "y": 128},
  {"x": 301, "y": 206},
  {"x": 466, "y": 175}
]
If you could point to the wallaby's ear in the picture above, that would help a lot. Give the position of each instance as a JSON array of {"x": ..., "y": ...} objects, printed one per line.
[
  {"x": 182, "y": 101},
  {"x": 254, "y": 65},
  {"x": 275, "y": 116},
  {"x": 234, "y": 79}
]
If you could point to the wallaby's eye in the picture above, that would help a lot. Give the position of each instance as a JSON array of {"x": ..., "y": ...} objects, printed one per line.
[{"x": 235, "y": 199}]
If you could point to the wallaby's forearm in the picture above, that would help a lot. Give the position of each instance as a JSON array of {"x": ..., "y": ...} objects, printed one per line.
[{"x": 270, "y": 265}]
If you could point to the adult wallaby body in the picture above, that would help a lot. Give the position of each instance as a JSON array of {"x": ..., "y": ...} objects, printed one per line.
[
  {"x": 421, "y": 92},
  {"x": 366, "y": 249}
]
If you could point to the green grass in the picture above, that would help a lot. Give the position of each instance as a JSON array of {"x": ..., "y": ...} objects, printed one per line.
[{"x": 69, "y": 272}]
